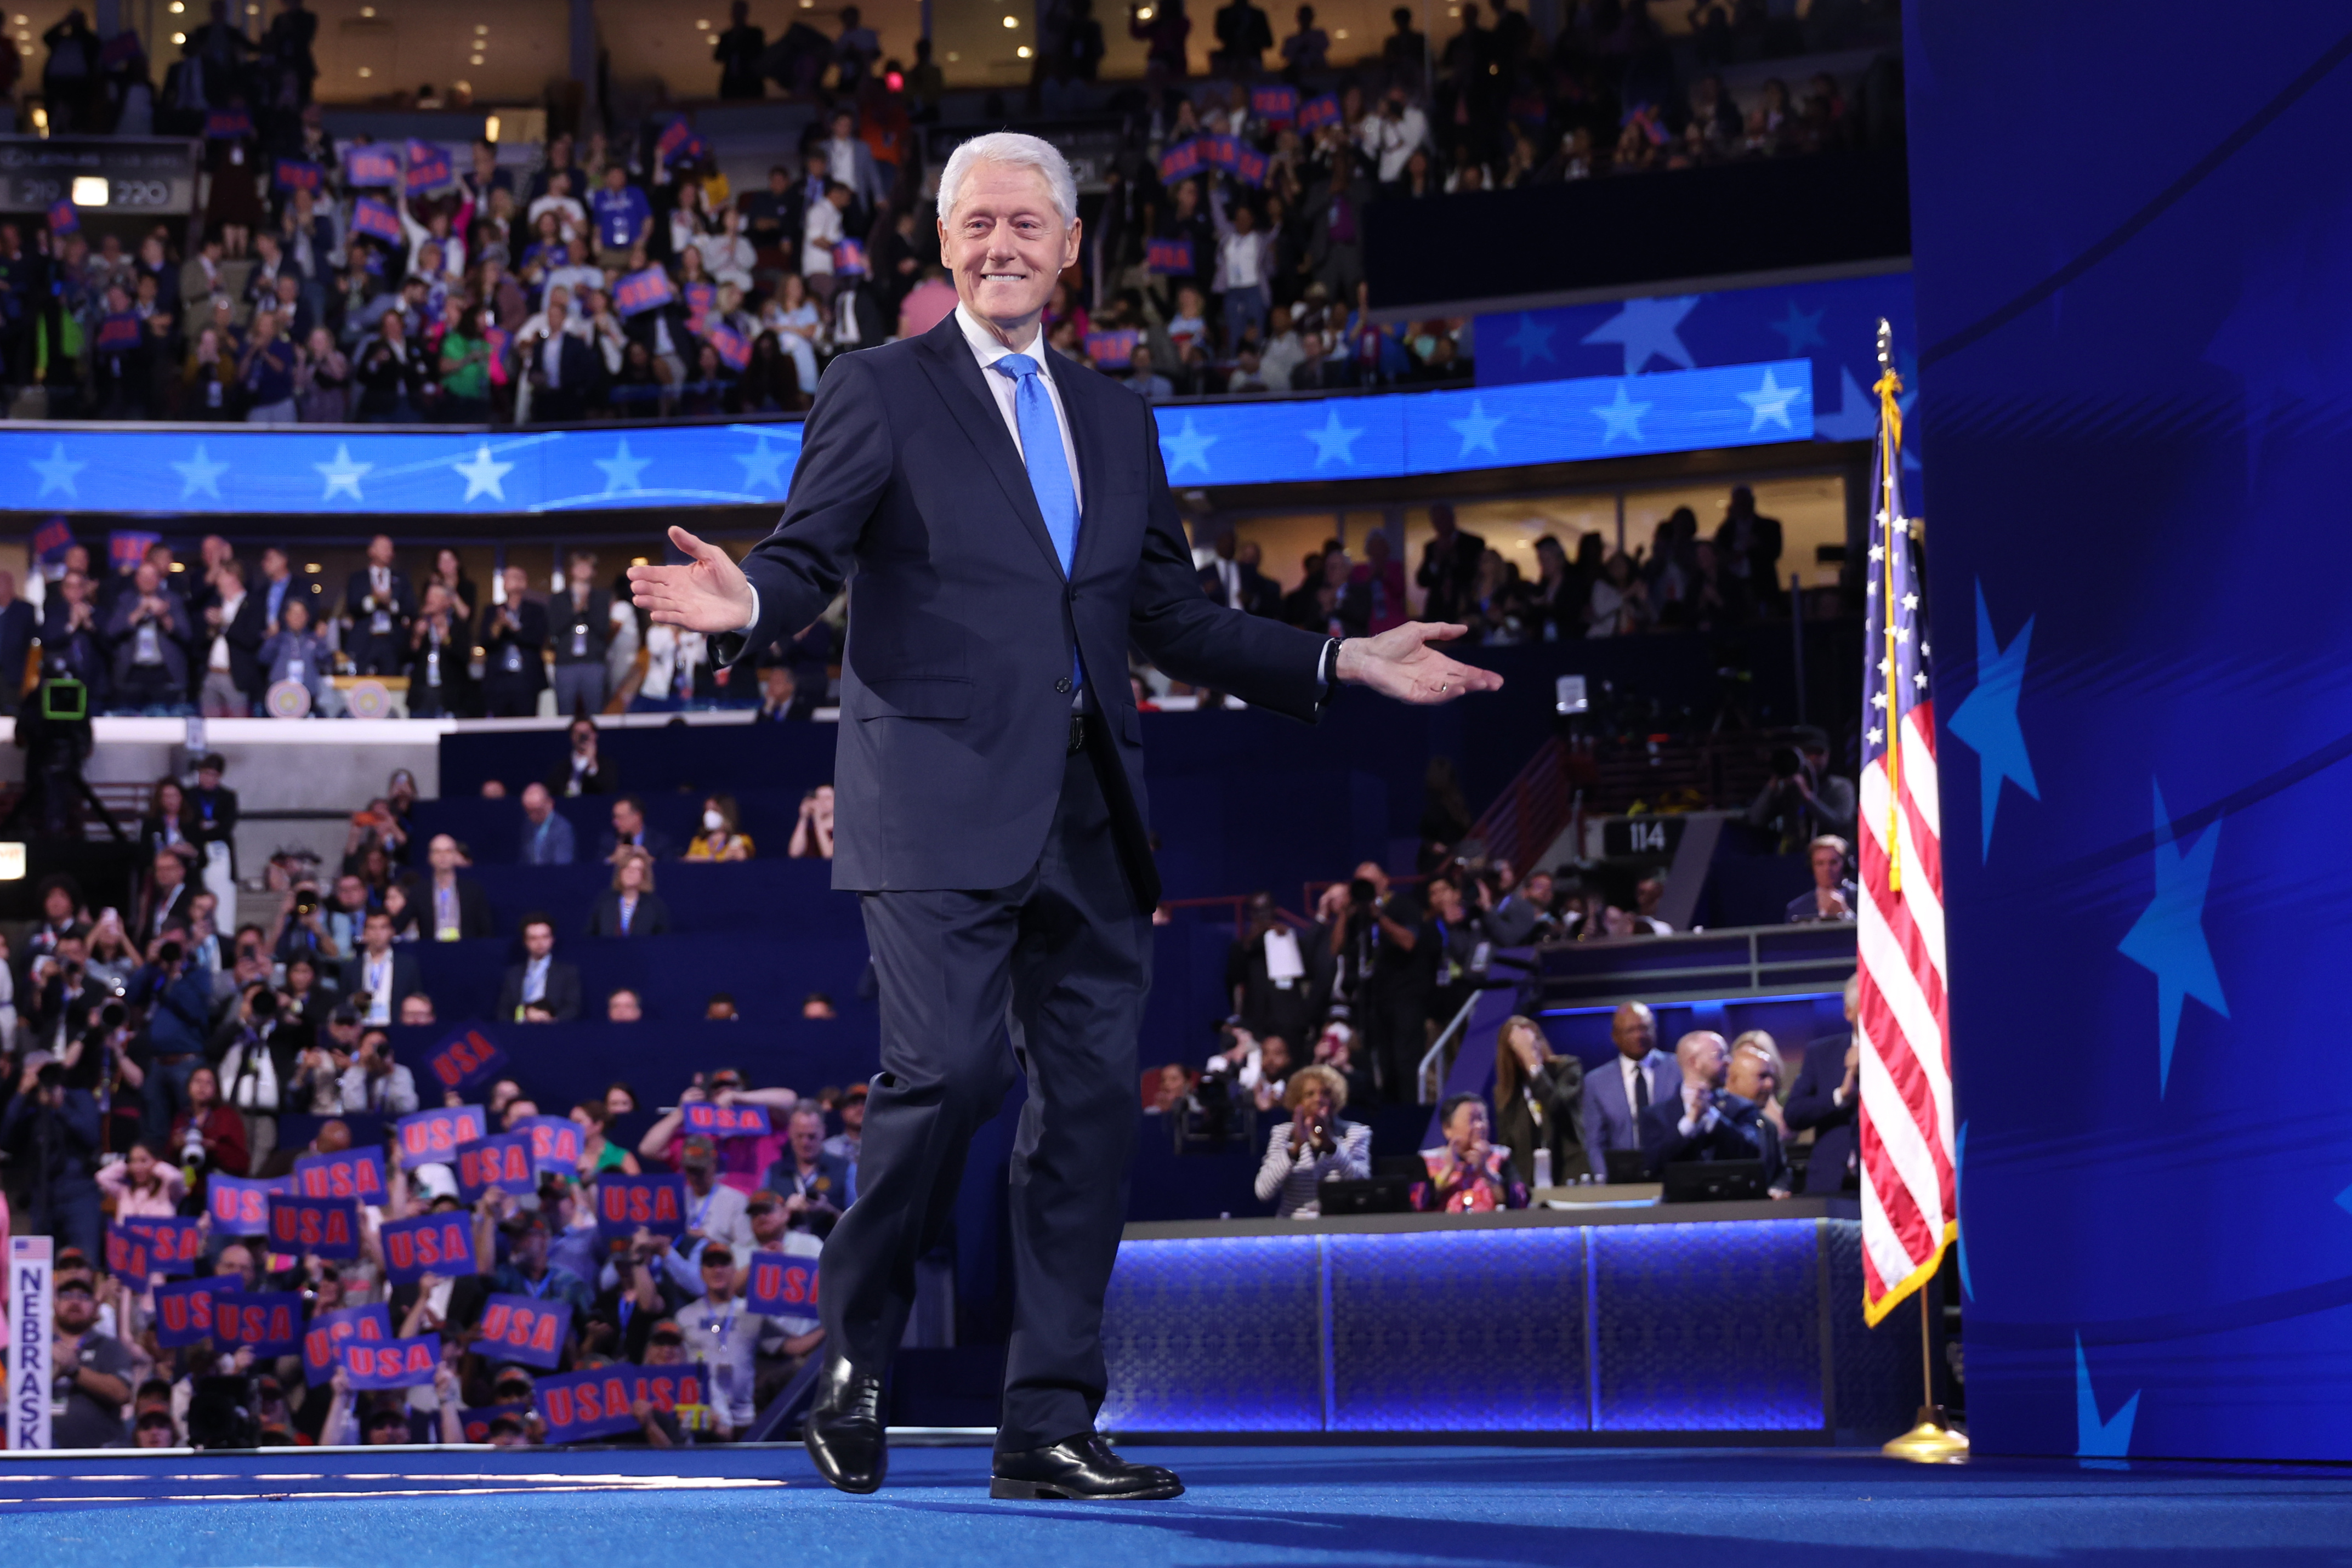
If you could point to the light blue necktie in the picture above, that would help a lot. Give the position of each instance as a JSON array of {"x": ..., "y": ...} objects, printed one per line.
[{"x": 1049, "y": 469}]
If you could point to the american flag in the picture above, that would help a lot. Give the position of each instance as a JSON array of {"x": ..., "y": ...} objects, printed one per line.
[{"x": 1904, "y": 1022}]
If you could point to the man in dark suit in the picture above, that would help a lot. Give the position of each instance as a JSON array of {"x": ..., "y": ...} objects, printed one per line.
[
  {"x": 1449, "y": 565},
  {"x": 379, "y": 603},
  {"x": 1699, "y": 1121},
  {"x": 564, "y": 369},
  {"x": 782, "y": 700},
  {"x": 514, "y": 637},
  {"x": 629, "y": 828},
  {"x": 1616, "y": 1096},
  {"x": 450, "y": 907},
  {"x": 151, "y": 632},
  {"x": 15, "y": 642},
  {"x": 1827, "y": 1097},
  {"x": 1749, "y": 546},
  {"x": 72, "y": 633},
  {"x": 387, "y": 973},
  {"x": 1010, "y": 532},
  {"x": 542, "y": 989},
  {"x": 245, "y": 629}
]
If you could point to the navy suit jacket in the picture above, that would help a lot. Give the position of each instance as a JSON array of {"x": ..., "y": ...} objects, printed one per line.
[
  {"x": 955, "y": 685},
  {"x": 15, "y": 645},
  {"x": 1608, "y": 1115},
  {"x": 1738, "y": 1133},
  {"x": 1813, "y": 1102}
]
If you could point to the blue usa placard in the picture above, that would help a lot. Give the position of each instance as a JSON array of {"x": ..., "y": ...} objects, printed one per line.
[
  {"x": 555, "y": 1143},
  {"x": 356, "y": 1174},
  {"x": 728, "y": 1120},
  {"x": 441, "y": 1244},
  {"x": 173, "y": 1245},
  {"x": 503, "y": 1162},
  {"x": 624, "y": 1203},
  {"x": 270, "y": 1323},
  {"x": 518, "y": 1328},
  {"x": 579, "y": 1405},
  {"x": 322, "y": 1338},
  {"x": 183, "y": 1309},
  {"x": 239, "y": 1205},
  {"x": 782, "y": 1285},
  {"x": 468, "y": 1056},
  {"x": 391, "y": 1363},
  {"x": 316, "y": 1227},
  {"x": 431, "y": 1136}
]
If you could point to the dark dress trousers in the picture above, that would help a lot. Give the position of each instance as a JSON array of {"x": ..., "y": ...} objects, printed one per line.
[{"x": 1005, "y": 876}]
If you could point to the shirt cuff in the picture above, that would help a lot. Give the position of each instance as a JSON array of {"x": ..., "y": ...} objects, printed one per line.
[
  {"x": 1327, "y": 671},
  {"x": 754, "y": 621}
]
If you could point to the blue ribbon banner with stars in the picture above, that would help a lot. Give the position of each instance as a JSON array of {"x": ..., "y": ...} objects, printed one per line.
[{"x": 258, "y": 471}]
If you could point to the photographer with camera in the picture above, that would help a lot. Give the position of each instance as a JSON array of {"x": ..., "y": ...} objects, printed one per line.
[
  {"x": 258, "y": 1066},
  {"x": 176, "y": 989},
  {"x": 65, "y": 996},
  {"x": 50, "y": 1135},
  {"x": 207, "y": 1136},
  {"x": 151, "y": 631},
  {"x": 1803, "y": 800},
  {"x": 1388, "y": 963}
]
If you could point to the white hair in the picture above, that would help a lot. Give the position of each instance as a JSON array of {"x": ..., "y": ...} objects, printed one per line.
[{"x": 1011, "y": 147}]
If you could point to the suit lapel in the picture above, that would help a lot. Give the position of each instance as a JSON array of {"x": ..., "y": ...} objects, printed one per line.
[{"x": 947, "y": 359}]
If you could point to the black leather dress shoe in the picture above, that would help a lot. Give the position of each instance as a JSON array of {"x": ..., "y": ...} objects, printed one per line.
[
  {"x": 843, "y": 1430},
  {"x": 1081, "y": 1469}
]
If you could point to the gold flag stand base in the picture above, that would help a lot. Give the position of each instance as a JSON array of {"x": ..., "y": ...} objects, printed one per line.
[{"x": 1934, "y": 1441}]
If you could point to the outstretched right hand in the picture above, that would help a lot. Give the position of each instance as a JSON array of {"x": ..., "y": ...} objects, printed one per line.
[{"x": 708, "y": 593}]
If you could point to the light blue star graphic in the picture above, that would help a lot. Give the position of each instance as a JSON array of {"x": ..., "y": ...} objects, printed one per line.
[
  {"x": 200, "y": 476},
  {"x": 484, "y": 475},
  {"x": 1188, "y": 448},
  {"x": 1856, "y": 418},
  {"x": 58, "y": 473},
  {"x": 1770, "y": 401},
  {"x": 1532, "y": 340},
  {"x": 1646, "y": 329},
  {"x": 1802, "y": 331},
  {"x": 1477, "y": 431},
  {"x": 1335, "y": 442},
  {"x": 2169, "y": 938},
  {"x": 1623, "y": 417},
  {"x": 621, "y": 470},
  {"x": 763, "y": 465},
  {"x": 343, "y": 474},
  {"x": 1986, "y": 719},
  {"x": 2344, "y": 1200},
  {"x": 2102, "y": 1440}
]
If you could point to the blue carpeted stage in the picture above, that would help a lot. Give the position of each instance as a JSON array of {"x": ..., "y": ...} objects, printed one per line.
[{"x": 1247, "y": 1506}]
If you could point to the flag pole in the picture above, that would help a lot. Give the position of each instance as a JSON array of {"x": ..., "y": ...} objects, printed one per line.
[{"x": 1933, "y": 1439}]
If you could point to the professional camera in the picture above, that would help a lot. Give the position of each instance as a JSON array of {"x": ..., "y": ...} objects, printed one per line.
[
  {"x": 1786, "y": 763},
  {"x": 306, "y": 901},
  {"x": 1362, "y": 894},
  {"x": 113, "y": 1015},
  {"x": 265, "y": 1002},
  {"x": 170, "y": 953}
]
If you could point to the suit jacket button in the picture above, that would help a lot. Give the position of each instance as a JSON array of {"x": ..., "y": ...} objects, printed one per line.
[{"x": 1063, "y": 684}]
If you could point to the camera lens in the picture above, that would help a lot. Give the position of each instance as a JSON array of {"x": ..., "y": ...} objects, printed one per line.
[
  {"x": 171, "y": 953},
  {"x": 112, "y": 1014}
]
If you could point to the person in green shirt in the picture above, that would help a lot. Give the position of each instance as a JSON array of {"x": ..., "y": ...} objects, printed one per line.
[{"x": 466, "y": 369}]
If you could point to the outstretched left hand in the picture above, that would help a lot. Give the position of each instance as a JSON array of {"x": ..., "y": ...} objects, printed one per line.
[{"x": 1401, "y": 663}]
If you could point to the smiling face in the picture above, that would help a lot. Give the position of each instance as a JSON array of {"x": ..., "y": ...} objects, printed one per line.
[{"x": 1007, "y": 243}]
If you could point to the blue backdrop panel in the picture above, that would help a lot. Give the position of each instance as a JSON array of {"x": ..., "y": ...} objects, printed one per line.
[
  {"x": 1218, "y": 1334},
  {"x": 1460, "y": 1332},
  {"x": 1707, "y": 1327},
  {"x": 1833, "y": 325},
  {"x": 2135, "y": 364}
]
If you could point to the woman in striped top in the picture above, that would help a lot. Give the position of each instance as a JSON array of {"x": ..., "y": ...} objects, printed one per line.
[{"x": 1314, "y": 1146}]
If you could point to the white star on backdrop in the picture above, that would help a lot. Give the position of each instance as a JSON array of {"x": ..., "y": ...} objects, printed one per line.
[
  {"x": 1623, "y": 417},
  {"x": 621, "y": 470},
  {"x": 343, "y": 474},
  {"x": 1188, "y": 448},
  {"x": 484, "y": 475},
  {"x": 1477, "y": 431},
  {"x": 1335, "y": 442},
  {"x": 200, "y": 476},
  {"x": 1646, "y": 329},
  {"x": 763, "y": 465},
  {"x": 57, "y": 473},
  {"x": 1770, "y": 401}
]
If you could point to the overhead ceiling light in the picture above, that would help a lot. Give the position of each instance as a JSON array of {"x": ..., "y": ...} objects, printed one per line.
[
  {"x": 365, "y": 71},
  {"x": 1012, "y": 21},
  {"x": 1023, "y": 51},
  {"x": 179, "y": 37}
]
